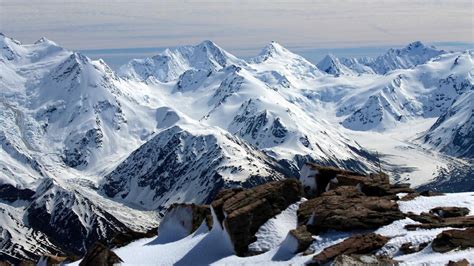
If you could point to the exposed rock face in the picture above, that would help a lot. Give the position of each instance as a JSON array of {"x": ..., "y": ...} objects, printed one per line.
[
  {"x": 11, "y": 193},
  {"x": 302, "y": 237},
  {"x": 100, "y": 255},
  {"x": 124, "y": 238},
  {"x": 318, "y": 179},
  {"x": 453, "y": 239},
  {"x": 463, "y": 262},
  {"x": 345, "y": 209},
  {"x": 430, "y": 222},
  {"x": 409, "y": 248},
  {"x": 363, "y": 260},
  {"x": 246, "y": 210},
  {"x": 446, "y": 212},
  {"x": 358, "y": 244}
]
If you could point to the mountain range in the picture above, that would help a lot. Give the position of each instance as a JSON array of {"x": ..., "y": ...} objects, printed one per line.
[{"x": 99, "y": 152}]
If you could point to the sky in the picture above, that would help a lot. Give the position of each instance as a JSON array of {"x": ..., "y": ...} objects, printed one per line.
[{"x": 118, "y": 30}]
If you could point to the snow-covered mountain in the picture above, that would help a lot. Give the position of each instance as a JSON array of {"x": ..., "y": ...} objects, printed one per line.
[
  {"x": 170, "y": 64},
  {"x": 87, "y": 148},
  {"x": 453, "y": 131},
  {"x": 331, "y": 65}
]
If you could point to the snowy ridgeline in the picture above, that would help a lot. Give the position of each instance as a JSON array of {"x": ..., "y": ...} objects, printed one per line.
[{"x": 181, "y": 125}]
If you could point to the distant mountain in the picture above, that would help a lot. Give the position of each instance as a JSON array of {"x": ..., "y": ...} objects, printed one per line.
[
  {"x": 170, "y": 64},
  {"x": 331, "y": 65},
  {"x": 415, "y": 53},
  {"x": 453, "y": 131}
]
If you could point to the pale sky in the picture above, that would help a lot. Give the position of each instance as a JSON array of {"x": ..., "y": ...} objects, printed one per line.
[{"x": 241, "y": 27}]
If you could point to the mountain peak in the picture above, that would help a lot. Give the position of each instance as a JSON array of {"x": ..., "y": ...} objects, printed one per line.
[
  {"x": 415, "y": 45},
  {"x": 44, "y": 40},
  {"x": 273, "y": 49},
  {"x": 331, "y": 65}
]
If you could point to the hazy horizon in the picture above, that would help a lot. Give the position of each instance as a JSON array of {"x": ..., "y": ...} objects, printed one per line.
[{"x": 118, "y": 31}]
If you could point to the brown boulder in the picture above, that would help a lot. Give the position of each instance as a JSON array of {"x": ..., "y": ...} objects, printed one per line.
[
  {"x": 363, "y": 260},
  {"x": 430, "y": 223},
  {"x": 345, "y": 209},
  {"x": 463, "y": 262},
  {"x": 302, "y": 237},
  {"x": 409, "y": 248},
  {"x": 446, "y": 212},
  {"x": 248, "y": 209},
  {"x": 100, "y": 255},
  {"x": 453, "y": 239},
  {"x": 358, "y": 244},
  {"x": 322, "y": 175}
]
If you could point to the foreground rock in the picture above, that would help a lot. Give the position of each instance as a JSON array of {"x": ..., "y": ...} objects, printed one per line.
[
  {"x": 446, "y": 212},
  {"x": 462, "y": 262},
  {"x": 453, "y": 239},
  {"x": 182, "y": 220},
  {"x": 346, "y": 209},
  {"x": 358, "y": 244},
  {"x": 409, "y": 248},
  {"x": 363, "y": 260},
  {"x": 433, "y": 221},
  {"x": 246, "y": 210},
  {"x": 100, "y": 255},
  {"x": 302, "y": 237},
  {"x": 318, "y": 179}
]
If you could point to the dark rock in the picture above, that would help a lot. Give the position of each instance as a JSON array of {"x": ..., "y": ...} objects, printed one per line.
[
  {"x": 363, "y": 260},
  {"x": 409, "y": 248},
  {"x": 375, "y": 184},
  {"x": 51, "y": 260},
  {"x": 322, "y": 176},
  {"x": 124, "y": 238},
  {"x": 10, "y": 193},
  {"x": 200, "y": 213},
  {"x": 456, "y": 222},
  {"x": 358, "y": 244},
  {"x": 463, "y": 262},
  {"x": 425, "y": 217},
  {"x": 446, "y": 212},
  {"x": 302, "y": 237},
  {"x": 425, "y": 193},
  {"x": 100, "y": 255},
  {"x": 345, "y": 209},
  {"x": 453, "y": 239},
  {"x": 428, "y": 193},
  {"x": 248, "y": 209}
]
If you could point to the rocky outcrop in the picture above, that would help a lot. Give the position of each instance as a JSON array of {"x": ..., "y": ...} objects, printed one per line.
[
  {"x": 199, "y": 213},
  {"x": 453, "y": 239},
  {"x": 409, "y": 248},
  {"x": 433, "y": 221},
  {"x": 242, "y": 212},
  {"x": 10, "y": 193},
  {"x": 345, "y": 209},
  {"x": 100, "y": 255},
  {"x": 462, "y": 262},
  {"x": 446, "y": 212},
  {"x": 358, "y": 244},
  {"x": 318, "y": 179},
  {"x": 302, "y": 237},
  {"x": 363, "y": 260},
  {"x": 123, "y": 238}
]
